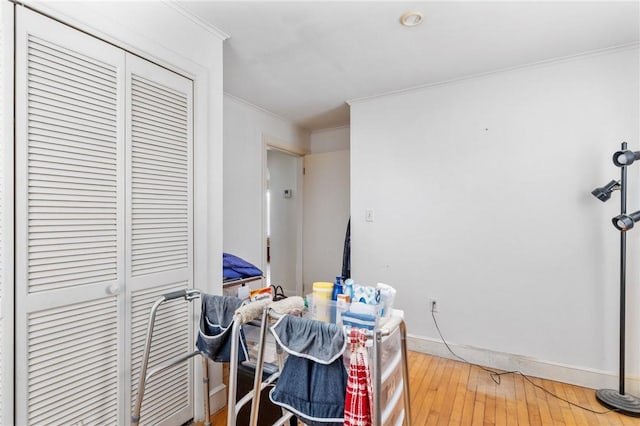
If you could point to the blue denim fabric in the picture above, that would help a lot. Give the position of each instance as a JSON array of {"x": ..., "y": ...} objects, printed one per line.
[
  {"x": 313, "y": 382},
  {"x": 316, "y": 340},
  {"x": 313, "y": 392},
  {"x": 214, "y": 334}
]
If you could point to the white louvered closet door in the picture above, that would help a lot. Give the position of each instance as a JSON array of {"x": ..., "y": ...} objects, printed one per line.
[
  {"x": 103, "y": 228},
  {"x": 69, "y": 225},
  {"x": 159, "y": 232}
]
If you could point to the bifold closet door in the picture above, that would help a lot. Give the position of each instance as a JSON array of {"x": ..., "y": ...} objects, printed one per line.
[
  {"x": 69, "y": 225},
  {"x": 159, "y": 232},
  {"x": 103, "y": 227}
]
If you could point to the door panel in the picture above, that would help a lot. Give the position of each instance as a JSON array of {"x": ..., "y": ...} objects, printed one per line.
[
  {"x": 69, "y": 224},
  {"x": 159, "y": 232}
]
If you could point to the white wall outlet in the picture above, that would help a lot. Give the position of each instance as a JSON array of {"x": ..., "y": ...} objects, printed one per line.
[{"x": 434, "y": 305}]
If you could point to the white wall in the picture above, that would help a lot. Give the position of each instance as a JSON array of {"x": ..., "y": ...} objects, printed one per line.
[
  {"x": 330, "y": 140},
  {"x": 326, "y": 204},
  {"x": 245, "y": 128},
  {"x": 326, "y": 213},
  {"x": 481, "y": 191}
]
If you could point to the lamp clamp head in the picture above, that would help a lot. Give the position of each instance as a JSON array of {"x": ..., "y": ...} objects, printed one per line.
[
  {"x": 604, "y": 193},
  {"x": 625, "y": 157}
]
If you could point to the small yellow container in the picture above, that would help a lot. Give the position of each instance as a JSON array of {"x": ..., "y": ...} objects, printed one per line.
[
  {"x": 322, "y": 290},
  {"x": 321, "y": 309}
]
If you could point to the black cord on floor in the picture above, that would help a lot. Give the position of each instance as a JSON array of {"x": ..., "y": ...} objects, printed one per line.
[{"x": 496, "y": 375}]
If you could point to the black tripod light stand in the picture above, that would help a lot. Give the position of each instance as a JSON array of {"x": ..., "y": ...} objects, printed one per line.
[{"x": 617, "y": 399}]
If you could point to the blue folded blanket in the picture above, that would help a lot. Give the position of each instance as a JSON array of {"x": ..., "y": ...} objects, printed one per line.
[{"x": 234, "y": 267}]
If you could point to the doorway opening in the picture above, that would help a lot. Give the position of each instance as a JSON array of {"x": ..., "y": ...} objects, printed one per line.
[{"x": 283, "y": 219}]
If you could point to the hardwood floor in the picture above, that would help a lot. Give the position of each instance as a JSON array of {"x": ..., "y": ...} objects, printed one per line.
[{"x": 447, "y": 392}]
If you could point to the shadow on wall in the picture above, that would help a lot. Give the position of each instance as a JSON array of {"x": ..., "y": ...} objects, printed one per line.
[{"x": 335, "y": 117}]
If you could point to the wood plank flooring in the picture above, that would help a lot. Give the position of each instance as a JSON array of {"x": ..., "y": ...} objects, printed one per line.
[{"x": 447, "y": 392}]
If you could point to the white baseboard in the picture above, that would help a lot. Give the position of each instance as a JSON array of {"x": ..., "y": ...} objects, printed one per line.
[
  {"x": 580, "y": 376},
  {"x": 217, "y": 398}
]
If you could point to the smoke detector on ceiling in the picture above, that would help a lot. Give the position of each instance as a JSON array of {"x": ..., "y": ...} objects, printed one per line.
[{"x": 411, "y": 19}]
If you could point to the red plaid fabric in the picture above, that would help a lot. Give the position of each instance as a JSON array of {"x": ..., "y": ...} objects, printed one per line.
[{"x": 357, "y": 404}]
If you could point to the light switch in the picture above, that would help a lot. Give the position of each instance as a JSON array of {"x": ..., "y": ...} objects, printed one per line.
[{"x": 368, "y": 215}]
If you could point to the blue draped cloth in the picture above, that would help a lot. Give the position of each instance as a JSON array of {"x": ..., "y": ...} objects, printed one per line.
[{"x": 234, "y": 267}]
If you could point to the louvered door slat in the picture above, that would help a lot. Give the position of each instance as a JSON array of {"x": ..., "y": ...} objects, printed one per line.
[
  {"x": 160, "y": 114},
  {"x": 57, "y": 57},
  {"x": 166, "y": 124},
  {"x": 68, "y": 250},
  {"x": 147, "y": 141},
  {"x": 72, "y": 260},
  {"x": 143, "y": 182},
  {"x": 71, "y": 144},
  {"x": 69, "y": 185},
  {"x": 71, "y": 79},
  {"x": 74, "y": 162},
  {"x": 152, "y": 230},
  {"x": 150, "y": 221},
  {"x": 159, "y": 163},
  {"x": 163, "y": 96},
  {"x": 72, "y": 108},
  {"x": 68, "y": 114},
  {"x": 69, "y": 56},
  {"x": 161, "y": 167},
  {"x": 43, "y": 80},
  {"x": 148, "y": 136},
  {"x": 44, "y": 241},
  {"x": 49, "y": 175},
  {"x": 72, "y": 96},
  {"x": 73, "y": 102},
  {"x": 51, "y": 85},
  {"x": 67, "y": 361},
  {"x": 42, "y": 197},
  {"x": 51, "y": 162},
  {"x": 149, "y": 151},
  {"x": 81, "y": 376},
  {"x": 79, "y": 145},
  {"x": 71, "y": 111},
  {"x": 145, "y": 172},
  {"x": 147, "y": 99},
  {"x": 152, "y": 132},
  {"x": 59, "y": 154}
]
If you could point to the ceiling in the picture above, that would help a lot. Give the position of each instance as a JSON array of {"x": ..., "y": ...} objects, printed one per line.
[{"x": 302, "y": 60}]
